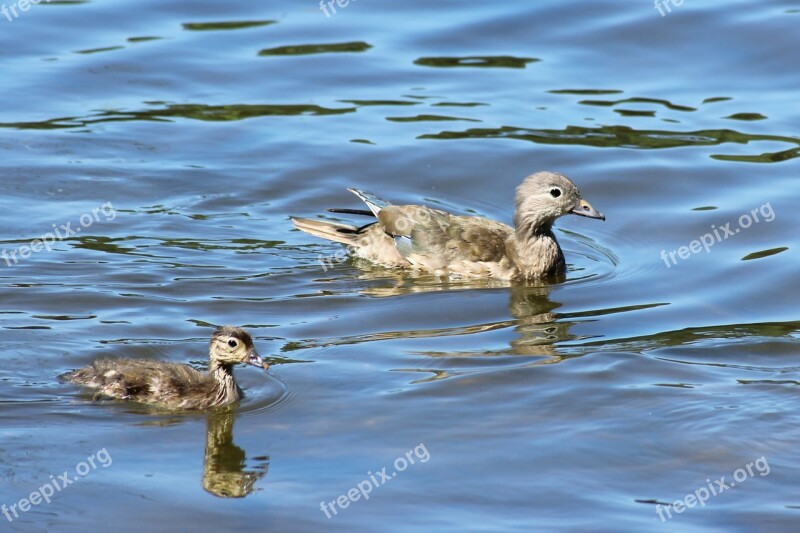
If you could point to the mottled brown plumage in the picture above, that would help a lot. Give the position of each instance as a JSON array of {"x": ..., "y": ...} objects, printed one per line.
[
  {"x": 174, "y": 385},
  {"x": 431, "y": 240}
]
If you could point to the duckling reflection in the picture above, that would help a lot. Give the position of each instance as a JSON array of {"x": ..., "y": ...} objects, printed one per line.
[{"x": 223, "y": 465}]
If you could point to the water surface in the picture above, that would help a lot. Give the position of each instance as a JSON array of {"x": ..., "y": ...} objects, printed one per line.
[{"x": 188, "y": 132}]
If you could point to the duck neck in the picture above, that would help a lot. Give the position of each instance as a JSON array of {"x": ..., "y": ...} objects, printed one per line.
[
  {"x": 538, "y": 253},
  {"x": 227, "y": 389},
  {"x": 528, "y": 226}
]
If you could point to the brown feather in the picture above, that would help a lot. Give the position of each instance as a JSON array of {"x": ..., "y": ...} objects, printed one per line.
[
  {"x": 431, "y": 240},
  {"x": 172, "y": 385}
]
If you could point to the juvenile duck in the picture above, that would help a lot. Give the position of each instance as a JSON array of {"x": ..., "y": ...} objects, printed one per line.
[
  {"x": 174, "y": 385},
  {"x": 430, "y": 240}
]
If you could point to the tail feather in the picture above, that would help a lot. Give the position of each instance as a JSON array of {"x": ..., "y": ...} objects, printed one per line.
[
  {"x": 332, "y": 231},
  {"x": 374, "y": 203},
  {"x": 362, "y": 212},
  {"x": 343, "y": 233}
]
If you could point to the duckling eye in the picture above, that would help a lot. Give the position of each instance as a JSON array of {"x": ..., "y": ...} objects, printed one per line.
[
  {"x": 232, "y": 343},
  {"x": 555, "y": 193}
]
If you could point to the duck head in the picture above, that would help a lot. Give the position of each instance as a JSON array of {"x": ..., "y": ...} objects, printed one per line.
[
  {"x": 544, "y": 196},
  {"x": 230, "y": 345}
]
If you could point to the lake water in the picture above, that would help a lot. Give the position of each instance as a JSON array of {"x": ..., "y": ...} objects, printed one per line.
[{"x": 179, "y": 136}]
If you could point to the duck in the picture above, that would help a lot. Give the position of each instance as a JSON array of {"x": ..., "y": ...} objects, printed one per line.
[
  {"x": 174, "y": 385},
  {"x": 436, "y": 242}
]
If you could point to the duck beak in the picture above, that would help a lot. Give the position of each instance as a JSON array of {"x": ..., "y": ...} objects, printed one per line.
[
  {"x": 585, "y": 209},
  {"x": 254, "y": 359}
]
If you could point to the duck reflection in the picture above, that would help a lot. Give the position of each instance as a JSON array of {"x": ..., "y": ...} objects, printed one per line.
[
  {"x": 533, "y": 317},
  {"x": 536, "y": 323},
  {"x": 224, "y": 462}
]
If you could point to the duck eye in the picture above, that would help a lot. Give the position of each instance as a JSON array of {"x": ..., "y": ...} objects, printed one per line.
[
  {"x": 555, "y": 193},
  {"x": 232, "y": 343}
]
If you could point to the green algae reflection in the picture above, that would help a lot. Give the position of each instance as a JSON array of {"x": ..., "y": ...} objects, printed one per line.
[
  {"x": 626, "y": 137},
  {"x": 476, "y": 61},
  {"x": 307, "y": 49},
  {"x": 764, "y": 253},
  {"x": 211, "y": 113},
  {"x": 228, "y": 25}
]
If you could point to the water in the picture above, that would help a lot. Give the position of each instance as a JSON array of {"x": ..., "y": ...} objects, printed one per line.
[{"x": 194, "y": 129}]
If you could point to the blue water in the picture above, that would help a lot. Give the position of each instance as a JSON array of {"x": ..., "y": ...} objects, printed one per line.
[{"x": 193, "y": 130}]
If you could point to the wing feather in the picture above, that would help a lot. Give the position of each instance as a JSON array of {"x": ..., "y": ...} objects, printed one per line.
[{"x": 445, "y": 237}]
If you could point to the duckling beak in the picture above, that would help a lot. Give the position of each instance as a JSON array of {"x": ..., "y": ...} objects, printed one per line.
[
  {"x": 253, "y": 358},
  {"x": 585, "y": 209}
]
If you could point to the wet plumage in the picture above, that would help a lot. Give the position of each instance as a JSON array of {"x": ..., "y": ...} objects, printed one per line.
[{"x": 175, "y": 385}]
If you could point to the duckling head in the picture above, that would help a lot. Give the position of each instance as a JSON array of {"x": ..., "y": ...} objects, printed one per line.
[
  {"x": 230, "y": 345},
  {"x": 544, "y": 196}
]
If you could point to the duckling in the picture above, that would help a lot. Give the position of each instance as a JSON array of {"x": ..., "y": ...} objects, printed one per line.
[
  {"x": 434, "y": 241},
  {"x": 174, "y": 385}
]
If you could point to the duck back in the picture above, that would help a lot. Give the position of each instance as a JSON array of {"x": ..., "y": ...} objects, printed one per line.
[{"x": 172, "y": 385}]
